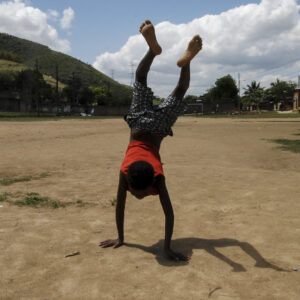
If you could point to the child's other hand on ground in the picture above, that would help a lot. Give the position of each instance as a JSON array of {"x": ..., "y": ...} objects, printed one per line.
[
  {"x": 176, "y": 255},
  {"x": 111, "y": 243}
]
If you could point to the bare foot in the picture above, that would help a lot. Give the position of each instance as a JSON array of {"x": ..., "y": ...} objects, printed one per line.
[
  {"x": 195, "y": 45},
  {"x": 148, "y": 32}
]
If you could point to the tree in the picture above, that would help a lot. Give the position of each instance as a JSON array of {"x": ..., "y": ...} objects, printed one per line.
[
  {"x": 24, "y": 86},
  {"x": 9, "y": 56},
  {"x": 34, "y": 90},
  {"x": 102, "y": 94},
  {"x": 253, "y": 95},
  {"x": 86, "y": 98},
  {"x": 280, "y": 93},
  {"x": 190, "y": 99},
  {"x": 7, "y": 81},
  {"x": 72, "y": 90},
  {"x": 224, "y": 91},
  {"x": 226, "y": 88}
]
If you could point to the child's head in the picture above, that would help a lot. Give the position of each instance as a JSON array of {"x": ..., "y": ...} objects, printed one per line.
[{"x": 140, "y": 178}]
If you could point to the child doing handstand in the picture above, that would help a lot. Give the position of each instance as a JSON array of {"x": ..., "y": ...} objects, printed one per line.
[{"x": 141, "y": 171}]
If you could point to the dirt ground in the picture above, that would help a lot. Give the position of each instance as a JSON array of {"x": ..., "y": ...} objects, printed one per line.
[{"x": 235, "y": 196}]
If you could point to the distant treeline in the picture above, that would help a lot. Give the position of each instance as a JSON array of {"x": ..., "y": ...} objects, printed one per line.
[
  {"x": 278, "y": 96},
  {"x": 36, "y": 93}
]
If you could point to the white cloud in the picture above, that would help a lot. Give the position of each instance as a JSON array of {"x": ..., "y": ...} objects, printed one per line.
[
  {"x": 66, "y": 20},
  {"x": 53, "y": 14},
  {"x": 251, "y": 39},
  {"x": 22, "y": 20}
]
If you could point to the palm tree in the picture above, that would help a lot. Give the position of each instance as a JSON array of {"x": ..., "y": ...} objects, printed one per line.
[{"x": 253, "y": 94}]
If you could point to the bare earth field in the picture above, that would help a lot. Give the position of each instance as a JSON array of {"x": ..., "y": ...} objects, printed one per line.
[{"x": 235, "y": 194}]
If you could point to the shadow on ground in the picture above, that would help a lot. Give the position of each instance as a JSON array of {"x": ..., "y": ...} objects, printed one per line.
[{"x": 187, "y": 245}]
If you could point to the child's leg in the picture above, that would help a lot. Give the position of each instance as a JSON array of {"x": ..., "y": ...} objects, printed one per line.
[
  {"x": 144, "y": 67},
  {"x": 170, "y": 109},
  {"x": 183, "y": 83},
  {"x": 142, "y": 100},
  {"x": 148, "y": 32},
  {"x": 194, "y": 46}
]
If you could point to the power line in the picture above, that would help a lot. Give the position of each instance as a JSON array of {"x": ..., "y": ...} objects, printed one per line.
[{"x": 273, "y": 71}]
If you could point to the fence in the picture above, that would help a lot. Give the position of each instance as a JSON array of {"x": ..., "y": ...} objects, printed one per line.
[
  {"x": 207, "y": 108},
  {"x": 10, "y": 101},
  {"x": 111, "y": 110}
]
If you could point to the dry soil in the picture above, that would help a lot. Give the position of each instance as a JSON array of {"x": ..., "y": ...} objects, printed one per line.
[{"x": 235, "y": 194}]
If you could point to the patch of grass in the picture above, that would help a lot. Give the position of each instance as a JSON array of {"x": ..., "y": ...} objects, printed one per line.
[
  {"x": 32, "y": 117},
  {"x": 9, "y": 181},
  {"x": 42, "y": 175},
  {"x": 36, "y": 200},
  {"x": 11, "y": 66},
  {"x": 32, "y": 199},
  {"x": 288, "y": 145},
  {"x": 3, "y": 197},
  {"x": 81, "y": 203},
  {"x": 262, "y": 115},
  {"x": 27, "y": 117},
  {"x": 11, "y": 114},
  {"x": 14, "y": 180},
  {"x": 282, "y": 121},
  {"x": 52, "y": 81}
]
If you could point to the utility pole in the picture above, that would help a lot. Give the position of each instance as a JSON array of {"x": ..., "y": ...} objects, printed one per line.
[
  {"x": 239, "y": 100},
  {"x": 298, "y": 96},
  {"x": 56, "y": 89},
  {"x": 38, "y": 88}
]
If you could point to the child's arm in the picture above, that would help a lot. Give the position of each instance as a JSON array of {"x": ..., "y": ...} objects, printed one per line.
[
  {"x": 169, "y": 223},
  {"x": 120, "y": 207}
]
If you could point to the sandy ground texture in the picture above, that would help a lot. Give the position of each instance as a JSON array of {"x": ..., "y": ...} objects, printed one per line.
[{"x": 236, "y": 199}]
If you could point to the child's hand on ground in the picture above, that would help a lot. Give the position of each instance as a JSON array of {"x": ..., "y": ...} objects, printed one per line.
[
  {"x": 111, "y": 243},
  {"x": 176, "y": 255}
]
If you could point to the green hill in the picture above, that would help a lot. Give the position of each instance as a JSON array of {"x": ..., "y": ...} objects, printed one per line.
[
  {"x": 12, "y": 66},
  {"x": 31, "y": 53}
]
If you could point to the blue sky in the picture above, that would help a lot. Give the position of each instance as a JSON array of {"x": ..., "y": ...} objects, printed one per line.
[
  {"x": 258, "y": 39},
  {"x": 101, "y": 26}
]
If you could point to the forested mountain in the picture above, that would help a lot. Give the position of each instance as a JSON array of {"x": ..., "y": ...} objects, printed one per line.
[{"x": 35, "y": 55}]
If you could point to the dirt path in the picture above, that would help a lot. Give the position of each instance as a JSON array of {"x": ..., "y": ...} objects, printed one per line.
[{"x": 235, "y": 197}]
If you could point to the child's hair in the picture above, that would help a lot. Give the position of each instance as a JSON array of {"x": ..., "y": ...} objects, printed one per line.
[{"x": 140, "y": 175}]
